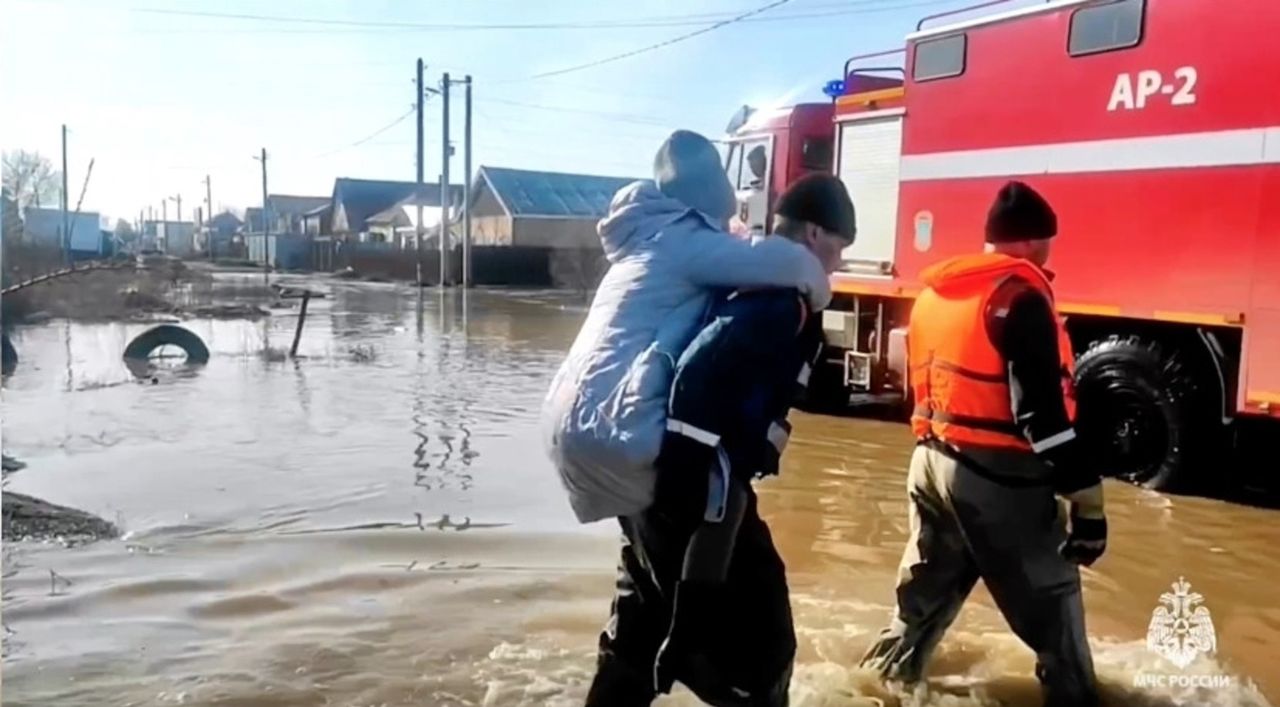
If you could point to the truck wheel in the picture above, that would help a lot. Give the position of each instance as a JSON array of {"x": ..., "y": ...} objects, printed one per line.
[{"x": 1138, "y": 413}]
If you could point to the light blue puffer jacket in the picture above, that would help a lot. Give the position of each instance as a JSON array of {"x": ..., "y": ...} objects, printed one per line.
[{"x": 605, "y": 414}]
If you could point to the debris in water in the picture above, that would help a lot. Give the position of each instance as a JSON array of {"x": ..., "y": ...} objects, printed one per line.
[
  {"x": 11, "y": 465},
  {"x": 229, "y": 311},
  {"x": 54, "y": 578},
  {"x": 362, "y": 353}
]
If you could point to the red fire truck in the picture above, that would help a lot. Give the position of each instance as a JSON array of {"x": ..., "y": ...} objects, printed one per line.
[{"x": 1153, "y": 128}]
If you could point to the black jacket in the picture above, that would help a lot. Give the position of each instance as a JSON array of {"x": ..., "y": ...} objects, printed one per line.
[
  {"x": 1023, "y": 327},
  {"x": 738, "y": 378}
]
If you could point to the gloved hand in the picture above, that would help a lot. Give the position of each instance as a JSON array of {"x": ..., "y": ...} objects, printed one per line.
[
  {"x": 692, "y": 618},
  {"x": 1087, "y": 539}
]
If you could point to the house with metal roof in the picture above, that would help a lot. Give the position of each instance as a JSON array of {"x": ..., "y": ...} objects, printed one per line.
[
  {"x": 355, "y": 201},
  {"x": 526, "y": 208}
]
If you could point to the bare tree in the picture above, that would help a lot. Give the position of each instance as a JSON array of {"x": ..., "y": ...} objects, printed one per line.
[
  {"x": 124, "y": 231},
  {"x": 31, "y": 178}
]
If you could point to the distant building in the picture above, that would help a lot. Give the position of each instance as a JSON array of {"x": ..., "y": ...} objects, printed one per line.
[
  {"x": 287, "y": 212},
  {"x": 319, "y": 221},
  {"x": 44, "y": 227},
  {"x": 520, "y": 207},
  {"x": 176, "y": 238},
  {"x": 397, "y": 225},
  {"x": 547, "y": 219},
  {"x": 289, "y": 247},
  {"x": 223, "y": 233},
  {"x": 355, "y": 201}
]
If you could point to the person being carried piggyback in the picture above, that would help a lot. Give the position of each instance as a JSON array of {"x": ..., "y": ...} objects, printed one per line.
[
  {"x": 668, "y": 250},
  {"x": 669, "y": 253}
]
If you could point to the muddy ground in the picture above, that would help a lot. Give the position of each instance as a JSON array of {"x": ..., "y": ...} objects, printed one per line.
[{"x": 130, "y": 292}]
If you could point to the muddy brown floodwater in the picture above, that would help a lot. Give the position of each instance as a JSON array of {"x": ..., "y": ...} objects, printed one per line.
[{"x": 375, "y": 524}]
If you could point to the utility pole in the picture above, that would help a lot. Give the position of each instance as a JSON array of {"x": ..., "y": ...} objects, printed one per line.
[
  {"x": 419, "y": 231},
  {"x": 266, "y": 221},
  {"x": 66, "y": 226},
  {"x": 444, "y": 185},
  {"x": 208, "y": 210},
  {"x": 164, "y": 223},
  {"x": 466, "y": 191}
]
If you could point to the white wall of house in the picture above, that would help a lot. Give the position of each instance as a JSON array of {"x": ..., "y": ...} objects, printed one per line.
[{"x": 44, "y": 227}]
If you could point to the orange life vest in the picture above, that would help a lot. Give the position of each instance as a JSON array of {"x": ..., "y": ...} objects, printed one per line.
[{"x": 959, "y": 379}]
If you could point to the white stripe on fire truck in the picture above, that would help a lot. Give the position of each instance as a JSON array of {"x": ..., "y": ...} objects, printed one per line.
[{"x": 1208, "y": 149}]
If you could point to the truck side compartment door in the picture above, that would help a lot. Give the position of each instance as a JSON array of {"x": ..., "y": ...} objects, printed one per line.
[{"x": 869, "y": 158}]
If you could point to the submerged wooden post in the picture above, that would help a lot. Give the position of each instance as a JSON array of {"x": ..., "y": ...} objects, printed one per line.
[{"x": 302, "y": 319}]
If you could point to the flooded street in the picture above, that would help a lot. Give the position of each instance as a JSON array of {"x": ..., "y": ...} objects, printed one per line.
[{"x": 375, "y": 523}]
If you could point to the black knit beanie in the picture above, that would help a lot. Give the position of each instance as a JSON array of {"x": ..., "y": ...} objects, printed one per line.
[
  {"x": 820, "y": 199},
  {"x": 1020, "y": 214}
]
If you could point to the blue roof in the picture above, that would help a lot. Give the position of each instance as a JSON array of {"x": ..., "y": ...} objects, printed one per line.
[{"x": 530, "y": 193}]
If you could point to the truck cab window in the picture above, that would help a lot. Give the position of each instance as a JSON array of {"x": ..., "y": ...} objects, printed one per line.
[
  {"x": 748, "y": 165},
  {"x": 1106, "y": 27},
  {"x": 757, "y": 168},
  {"x": 939, "y": 58},
  {"x": 816, "y": 154}
]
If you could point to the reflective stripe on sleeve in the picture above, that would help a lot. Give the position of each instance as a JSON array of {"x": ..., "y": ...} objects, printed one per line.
[
  {"x": 696, "y": 434},
  {"x": 805, "y": 372},
  {"x": 1048, "y": 443},
  {"x": 717, "y": 489},
  {"x": 778, "y": 436}
]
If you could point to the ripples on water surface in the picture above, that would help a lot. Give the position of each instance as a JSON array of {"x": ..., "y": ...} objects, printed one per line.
[{"x": 375, "y": 524}]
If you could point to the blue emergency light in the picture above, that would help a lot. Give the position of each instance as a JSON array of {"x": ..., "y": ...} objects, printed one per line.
[{"x": 834, "y": 88}]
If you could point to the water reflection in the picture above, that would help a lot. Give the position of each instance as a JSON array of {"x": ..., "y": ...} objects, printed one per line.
[{"x": 384, "y": 528}]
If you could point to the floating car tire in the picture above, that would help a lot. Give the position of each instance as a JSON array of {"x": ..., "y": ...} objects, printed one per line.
[{"x": 167, "y": 335}]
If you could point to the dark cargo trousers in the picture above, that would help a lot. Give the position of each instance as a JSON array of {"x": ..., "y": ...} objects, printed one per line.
[
  {"x": 965, "y": 525},
  {"x": 749, "y": 640}
]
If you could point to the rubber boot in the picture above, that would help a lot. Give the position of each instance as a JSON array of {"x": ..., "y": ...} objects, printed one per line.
[
  {"x": 617, "y": 684},
  {"x": 693, "y": 618}
]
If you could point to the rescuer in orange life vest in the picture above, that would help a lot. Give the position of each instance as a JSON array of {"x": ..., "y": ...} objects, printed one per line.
[{"x": 990, "y": 370}]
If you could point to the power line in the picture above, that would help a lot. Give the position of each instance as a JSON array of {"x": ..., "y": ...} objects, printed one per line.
[
  {"x": 666, "y": 43},
  {"x": 508, "y": 124},
  {"x": 618, "y": 117},
  {"x": 640, "y": 22},
  {"x": 370, "y": 136}
]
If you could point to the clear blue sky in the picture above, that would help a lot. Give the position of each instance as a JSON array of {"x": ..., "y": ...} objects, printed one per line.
[{"x": 161, "y": 99}]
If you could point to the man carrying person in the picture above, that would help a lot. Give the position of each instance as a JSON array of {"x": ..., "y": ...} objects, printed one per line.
[
  {"x": 604, "y": 416},
  {"x": 991, "y": 372},
  {"x": 702, "y": 595}
]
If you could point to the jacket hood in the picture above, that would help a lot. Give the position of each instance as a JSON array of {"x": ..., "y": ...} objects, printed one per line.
[
  {"x": 688, "y": 167},
  {"x": 966, "y": 270},
  {"x": 637, "y": 212}
]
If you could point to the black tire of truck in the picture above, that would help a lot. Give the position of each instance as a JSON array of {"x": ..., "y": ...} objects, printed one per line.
[
  {"x": 167, "y": 335},
  {"x": 1141, "y": 416}
]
